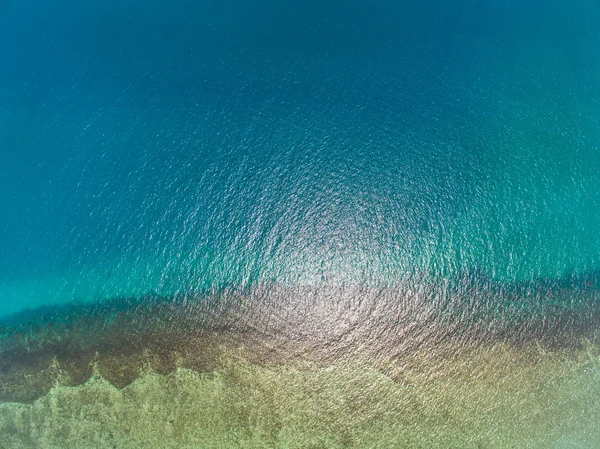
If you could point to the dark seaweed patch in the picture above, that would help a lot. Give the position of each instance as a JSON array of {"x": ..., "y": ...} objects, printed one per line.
[{"x": 277, "y": 324}]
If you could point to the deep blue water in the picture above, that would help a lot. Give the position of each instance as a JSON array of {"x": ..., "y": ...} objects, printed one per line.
[{"x": 165, "y": 147}]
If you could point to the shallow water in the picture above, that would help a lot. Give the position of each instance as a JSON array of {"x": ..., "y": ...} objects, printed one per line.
[{"x": 331, "y": 187}]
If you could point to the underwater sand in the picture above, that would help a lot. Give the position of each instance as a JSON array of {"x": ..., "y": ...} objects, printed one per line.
[
  {"x": 498, "y": 398},
  {"x": 249, "y": 369}
]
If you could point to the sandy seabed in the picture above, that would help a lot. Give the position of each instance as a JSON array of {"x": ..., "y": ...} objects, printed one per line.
[
  {"x": 307, "y": 373},
  {"x": 497, "y": 397}
]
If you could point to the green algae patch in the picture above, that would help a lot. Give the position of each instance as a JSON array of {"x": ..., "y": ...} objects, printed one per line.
[{"x": 498, "y": 397}]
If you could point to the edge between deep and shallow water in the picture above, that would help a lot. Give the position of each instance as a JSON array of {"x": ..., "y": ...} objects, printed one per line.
[{"x": 414, "y": 365}]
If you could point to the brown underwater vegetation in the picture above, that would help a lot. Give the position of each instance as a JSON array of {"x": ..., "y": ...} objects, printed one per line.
[{"x": 420, "y": 364}]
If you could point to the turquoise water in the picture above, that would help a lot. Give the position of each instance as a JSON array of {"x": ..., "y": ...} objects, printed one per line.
[
  {"x": 160, "y": 147},
  {"x": 312, "y": 224}
]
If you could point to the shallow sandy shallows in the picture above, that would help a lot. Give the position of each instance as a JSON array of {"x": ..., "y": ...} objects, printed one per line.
[
  {"x": 305, "y": 368},
  {"x": 497, "y": 398}
]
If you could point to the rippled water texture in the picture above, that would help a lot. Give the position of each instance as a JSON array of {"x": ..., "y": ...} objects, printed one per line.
[{"x": 299, "y": 224}]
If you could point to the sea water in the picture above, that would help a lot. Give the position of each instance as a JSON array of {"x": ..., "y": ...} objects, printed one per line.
[{"x": 177, "y": 151}]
